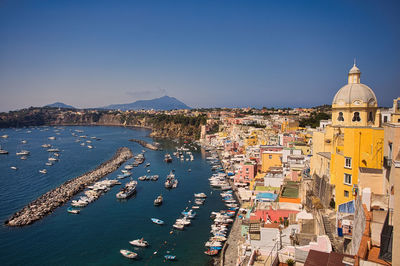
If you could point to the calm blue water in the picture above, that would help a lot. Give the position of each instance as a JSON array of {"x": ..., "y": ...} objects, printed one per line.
[{"x": 95, "y": 236}]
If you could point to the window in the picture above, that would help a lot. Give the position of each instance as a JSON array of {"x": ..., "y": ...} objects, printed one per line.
[
  {"x": 340, "y": 117},
  {"x": 346, "y": 193},
  {"x": 347, "y": 179},
  {"x": 270, "y": 157},
  {"x": 356, "y": 117},
  {"x": 347, "y": 162},
  {"x": 385, "y": 119},
  {"x": 370, "y": 117}
]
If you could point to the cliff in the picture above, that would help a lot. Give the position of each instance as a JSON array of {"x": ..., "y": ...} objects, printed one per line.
[{"x": 162, "y": 125}]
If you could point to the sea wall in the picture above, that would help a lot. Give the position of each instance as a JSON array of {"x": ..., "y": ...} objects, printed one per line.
[{"x": 54, "y": 198}]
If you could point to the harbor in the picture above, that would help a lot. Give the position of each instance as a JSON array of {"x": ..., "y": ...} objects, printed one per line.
[{"x": 117, "y": 221}]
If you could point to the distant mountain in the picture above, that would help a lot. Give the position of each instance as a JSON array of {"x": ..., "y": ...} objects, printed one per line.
[
  {"x": 60, "y": 105},
  {"x": 162, "y": 103}
]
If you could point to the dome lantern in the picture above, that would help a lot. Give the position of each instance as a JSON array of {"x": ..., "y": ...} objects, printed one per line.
[{"x": 354, "y": 74}]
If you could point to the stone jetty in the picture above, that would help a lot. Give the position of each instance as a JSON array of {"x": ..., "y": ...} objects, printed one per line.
[
  {"x": 145, "y": 144},
  {"x": 49, "y": 201}
]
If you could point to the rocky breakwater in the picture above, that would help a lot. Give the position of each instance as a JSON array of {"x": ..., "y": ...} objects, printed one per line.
[
  {"x": 49, "y": 201},
  {"x": 145, "y": 144}
]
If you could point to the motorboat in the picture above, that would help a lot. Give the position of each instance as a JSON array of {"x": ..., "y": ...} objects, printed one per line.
[
  {"x": 171, "y": 181},
  {"x": 178, "y": 226},
  {"x": 128, "y": 167},
  {"x": 53, "y": 150},
  {"x": 14, "y": 167},
  {"x": 23, "y": 158},
  {"x": 24, "y": 142},
  {"x": 168, "y": 158},
  {"x": 128, "y": 254},
  {"x": 142, "y": 178},
  {"x": 200, "y": 195},
  {"x": 147, "y": 165},
  {"x": 184, "y": 221},
  {"x": 52, "y": 159},
  {"x": 128, "y": 190},
  {"x": 43, "y": 171},
  {"x": 90, "y": 146},
  {"x": 139, "y": 243},
  {"x": 52, "y": 138},
  {"x": 157, "y": 221},
  {"x": 189, "y": 214},
  {"x": 158, "y": 201},
  {"x": 3, "y": 151},
  {"x": 154, "y": 177},
  {"x": 23, "y": 152},
  {"x": 72, "y": 210},
  {"x": 4, "y": 136}
]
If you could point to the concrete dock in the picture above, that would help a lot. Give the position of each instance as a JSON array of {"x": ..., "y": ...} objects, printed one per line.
[{"x": 54, "y": 198}]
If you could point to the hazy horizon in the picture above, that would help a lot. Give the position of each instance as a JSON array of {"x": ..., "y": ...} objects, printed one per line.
[{"x": 206, "y": 54}]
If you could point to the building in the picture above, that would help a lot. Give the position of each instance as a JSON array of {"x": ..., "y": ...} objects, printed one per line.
[{"x": 354, "y": 140}]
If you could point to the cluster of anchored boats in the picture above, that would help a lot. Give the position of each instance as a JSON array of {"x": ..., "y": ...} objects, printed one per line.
[{"x": 94, "y": 192}]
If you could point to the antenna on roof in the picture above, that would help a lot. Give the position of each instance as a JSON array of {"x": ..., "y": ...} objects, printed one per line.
[{"x": 354, "y": 61}]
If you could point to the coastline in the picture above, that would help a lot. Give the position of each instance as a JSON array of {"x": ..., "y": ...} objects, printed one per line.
[{"x": 58, "y": 196}]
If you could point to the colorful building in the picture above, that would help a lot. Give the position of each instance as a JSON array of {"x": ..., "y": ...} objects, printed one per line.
[{"x": 354, "y": 140}]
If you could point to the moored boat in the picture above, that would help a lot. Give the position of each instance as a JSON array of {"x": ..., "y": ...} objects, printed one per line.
[
  {"x": 170, "y": 257},
  {"x": 128, "y": 190},
  {"x": 157, "y": 221},
  {"x": 128, "y": 254},
  {"x": 139, "y": 242},
  {"x": 158, "y": 201},
  {"x": 72, "y": 210}
]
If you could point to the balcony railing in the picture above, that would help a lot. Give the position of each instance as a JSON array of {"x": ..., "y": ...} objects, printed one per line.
[{"x": 387, "y": 162}]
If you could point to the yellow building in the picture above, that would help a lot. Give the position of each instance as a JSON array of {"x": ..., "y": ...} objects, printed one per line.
[
  {"x": 270, "y": 159},
  {"x": 353, "y": 141}
]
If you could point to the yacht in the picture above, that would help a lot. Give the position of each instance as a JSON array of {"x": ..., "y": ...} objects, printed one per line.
[
  {"x": 128, "y": 190},
  {"x": 23, "y": 152},
  {"x": 53, "y": 150},
  {"x": 171, "y": 181}
]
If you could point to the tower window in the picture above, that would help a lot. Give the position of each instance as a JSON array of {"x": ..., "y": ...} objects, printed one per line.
[
  {"x": 340, "y": 117},
  {"x": 347, "y": 162},
  {"x": 356, "y": 117},
  {"x": 346, "y": 193},
  {"x": 370, "y": 117}
]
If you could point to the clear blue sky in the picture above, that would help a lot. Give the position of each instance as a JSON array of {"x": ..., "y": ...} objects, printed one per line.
[{"x": 205, "y": 53}]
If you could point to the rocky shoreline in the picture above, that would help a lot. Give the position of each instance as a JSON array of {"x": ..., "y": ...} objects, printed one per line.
[{"x": 54, "y": 198}]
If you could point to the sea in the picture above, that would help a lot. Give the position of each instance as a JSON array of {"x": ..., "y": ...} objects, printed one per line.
[{"x": 105, "y": 226}]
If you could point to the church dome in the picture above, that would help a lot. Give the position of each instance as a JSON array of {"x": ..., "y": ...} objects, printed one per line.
[{"x": 353, "y": 93}]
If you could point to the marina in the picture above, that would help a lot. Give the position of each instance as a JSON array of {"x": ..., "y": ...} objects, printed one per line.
[{"x": 118, "y": 216}]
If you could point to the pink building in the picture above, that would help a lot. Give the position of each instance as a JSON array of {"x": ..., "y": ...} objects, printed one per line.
[{"x": 246, "y": 173}]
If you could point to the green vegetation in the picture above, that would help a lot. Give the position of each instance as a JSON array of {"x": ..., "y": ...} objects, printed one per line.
[{"x": 314, "y": 119}]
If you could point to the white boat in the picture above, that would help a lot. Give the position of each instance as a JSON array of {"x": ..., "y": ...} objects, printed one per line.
[
  {"x": 46, "y": 145},
  {"x": 43, "y": 171},
  {"x": 128, "y": 254},
  {"x": 23, "y": 152},
  {"x": 52, "y": 138},
  {"x": 53, "y": 150},
  {"x": 178, "y": 226},
  {"x": 24, "y": 142},
  {"x": 14, "y": 167},
  {"x": 128, "y": 190},
  {"x": 139, "y": 243},
  {"x": 53, "y": 159},
  {"x": 128, "y": 167},
  {"x": 184, "y": 221},
  {"x": 200, "y": 195},
  {"x": 3, "y": 151},
  {"x": 4, "y": 136},
  {"x": 90, "y": 146},
  {"x": 23, "y": 158},
  {"x": 158, "y": 201},
  {"x": 142, "y": 178},
  {"x": 72, "y": 210}
]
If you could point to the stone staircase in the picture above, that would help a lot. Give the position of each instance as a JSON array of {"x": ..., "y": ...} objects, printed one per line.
[{"x": 328, "y": 230}]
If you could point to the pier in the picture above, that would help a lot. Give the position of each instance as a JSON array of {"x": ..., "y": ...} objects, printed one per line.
[
  {"x": 145, "y": 144},
  {"x": 54, "y": 198}
]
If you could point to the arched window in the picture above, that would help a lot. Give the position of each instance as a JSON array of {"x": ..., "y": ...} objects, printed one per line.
[
  {"x": 370, "y": 117},
  {"x": 340, "y": 117},
  {"x": 356, "y": 117}
]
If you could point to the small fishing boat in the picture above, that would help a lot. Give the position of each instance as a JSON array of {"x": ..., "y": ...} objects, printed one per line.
[
  {"x": 128, "y": 254},
  {"x": 139, "y": 242},
  {"x": 3, "y": 151},
  {"x": 158, "y": 201},
  {"x": 170, "y": 257},
  {"x": 147, "y": 164},
  {"x": 23, "y": 158},
  {"x": 157, "y": 221},
  {"x": 72, "y": 210},
  {"x": 14, "y": 167},
  {"x": 142, "y": 178},
  {"x": 43, "y": 171},
  {"x": 211, "y": 252}
]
